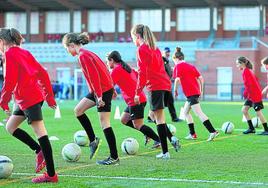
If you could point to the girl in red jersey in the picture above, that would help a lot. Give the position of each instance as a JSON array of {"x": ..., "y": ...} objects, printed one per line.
[
  {"x": 192, "y": 85},
  {"x": 30, "y": 84},
  {"x": 252, "y": 94},
  {"x": 151, "y": 73},
  {"x": 100, "y": 84},
  {"x": 126, "y": 78}
]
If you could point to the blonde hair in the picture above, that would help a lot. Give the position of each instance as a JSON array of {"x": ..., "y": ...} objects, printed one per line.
[
  {"x": 146, "y": 34},
  {"x": 75, "y": 38}
]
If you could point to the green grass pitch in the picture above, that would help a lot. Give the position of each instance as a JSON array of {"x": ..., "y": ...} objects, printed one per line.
[{"x": 234, "y": 160}]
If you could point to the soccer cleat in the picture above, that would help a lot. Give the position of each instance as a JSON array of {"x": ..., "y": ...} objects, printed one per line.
[
  {"x": 149, "y": 120},
  {"x": 191, "y": 137},
  {"x": 146, "y": 140},
  {"x": 249, "y": 131},
  {"x": 212, "y": 136},
  {"x": 108, "y": 161},
  {"x": 45, "y": 178},
  {"x": 175, "y": 143},
  {"x": 165, "y": 156},
  {"x": 263, "y": 133},
  {"x": 176, "y": 119},
  {"x": 156, "y": 145},
  {"x": 94, "y": 147},
  {"x": 40, "y": 162}
]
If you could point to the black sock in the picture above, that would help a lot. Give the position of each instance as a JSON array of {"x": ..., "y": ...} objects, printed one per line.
[
  {"x": 148, "y": 131},
  {"x": 250, "y": 125},
  {"x": 191, "y": 128},
  {"x": 130, "y": 124},
  {"x": 85, "y": 122},
  {"x": 169, "y": 134},
  {"x": 27, "y": 139},
  {"x": 110, "y": 137},
  {"x": 265, "y": 126},
  {"x": 209, "y": 126},
  {"x": 47, "y": 152},
  {"x": 162, "y": 132}
]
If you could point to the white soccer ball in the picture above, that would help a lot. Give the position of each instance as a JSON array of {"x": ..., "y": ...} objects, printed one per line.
[
  {"x": 227, "y": 127},
  {"x": 6, "y": 166},
  {"x": 71, "y": 152},
  {"x": 130, "y": 146},
  {"x": 172, "y": 129},
  {"x": 81, "y": 138},
  {"x": 256, "y": 122}
]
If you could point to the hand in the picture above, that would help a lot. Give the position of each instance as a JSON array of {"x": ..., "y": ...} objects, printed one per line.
[
  {"x": 101, "y": 103},
  {"x": 53, "y": 107},
  {"x": 137, "y": 99},
  {"x": 176, "y": 93}
]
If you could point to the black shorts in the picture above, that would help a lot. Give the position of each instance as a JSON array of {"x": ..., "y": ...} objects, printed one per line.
[
  {"x": 157, "y": 99},
  {"x": 194, "y": 99},
  {"x": 257, "y": 106},
  {"x": 33, "y": 113},
  {"x": 136, "y": 112},
  {"x": 106, "y": 97}
]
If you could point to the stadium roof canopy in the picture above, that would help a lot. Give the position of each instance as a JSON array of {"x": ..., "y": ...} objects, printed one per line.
[{"x": 20, "y": 5}]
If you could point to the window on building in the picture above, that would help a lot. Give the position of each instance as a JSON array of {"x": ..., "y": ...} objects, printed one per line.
[
  {"x": 195, "y": 19},
  {"x": 34, "y": 29},
  {"x": 241, "y": 18},
  {"x": 105, "y": 21},
  {"x": 16, "y": 20},
  {"x": 57, "y": 22},
  {"x": 77, "y": 22},
  {"x": 152, "y": 18}
]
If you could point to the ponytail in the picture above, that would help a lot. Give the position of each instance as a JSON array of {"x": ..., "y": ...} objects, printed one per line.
[
  {"x": 178, "y": 54},
  {"x": 146, "y": 34},
  {"x": 245, "y": 61},
  {"x": 75, "y": 38},
  {"x": 115, "y": 55},
  {"x": 11, "y": 36}
]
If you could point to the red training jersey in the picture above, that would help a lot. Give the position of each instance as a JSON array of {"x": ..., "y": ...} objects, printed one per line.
[
  {"x": 252, "y": 87},
  {"x": 188, "y": 75},
  {"x": 97, "y": 75},
  {"x": 26, "y": 79},
  {"x": 127, "y": 83},
  {"x": 151, "y": 70}
]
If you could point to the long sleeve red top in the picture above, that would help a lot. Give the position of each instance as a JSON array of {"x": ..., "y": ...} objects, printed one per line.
[
  {"x": 26, "y": 79},
  {"x": 252, "y": 87},
  {"x": 151, "y": 70},
  {"x": 127, "y": 83},
  {"x": 95, "y": 71}
]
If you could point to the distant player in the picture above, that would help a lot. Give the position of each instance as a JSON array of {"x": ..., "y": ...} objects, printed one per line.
[
  {"x": 29, "y": 82},
  {"x": 252, "y": 94},
  {"x": 264, "y": 62},
  {"x": 126, "y": 78},
  {"x": 100, "y": 84},
  {"x": 192, "y": 85},
  {"x": 151, "y": 73}
]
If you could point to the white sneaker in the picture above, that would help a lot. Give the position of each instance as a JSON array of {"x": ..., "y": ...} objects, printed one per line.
[
  {"x": 191, "y": 137},
  {"x": 165, "y": 156},
  {"x": 212, "y": 136}
]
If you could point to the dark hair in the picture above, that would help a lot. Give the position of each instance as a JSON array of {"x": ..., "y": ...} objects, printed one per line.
[
  {"x": 11, "y": 36},
  {"x": 264, "y": 61},
  {"x": 145, "y": 33},
  {"x": 244, "y": 60},
  {"x": 178, "y": 54},
  {"x": 115, "y": 55},
  {"x": 75, "y": 38}
]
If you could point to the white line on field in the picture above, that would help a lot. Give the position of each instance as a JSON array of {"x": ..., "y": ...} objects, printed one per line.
[
  {"x": 257, "y": 130},
  {"x": 156, "y": 179}
]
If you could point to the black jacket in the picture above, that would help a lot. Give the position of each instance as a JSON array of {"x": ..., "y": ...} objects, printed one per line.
[{"x": 167, "y": 67}]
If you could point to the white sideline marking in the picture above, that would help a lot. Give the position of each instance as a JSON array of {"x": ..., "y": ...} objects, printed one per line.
[{"x": 156, "y": 179}]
